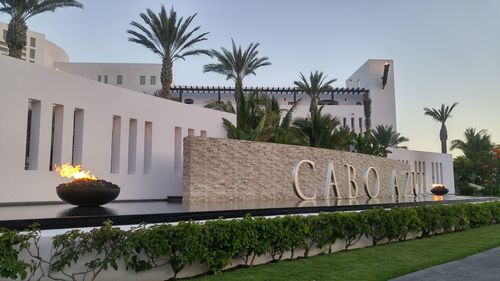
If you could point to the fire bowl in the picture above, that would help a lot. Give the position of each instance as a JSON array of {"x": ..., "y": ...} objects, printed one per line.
[
  {"x": 439, "y": 190},
  {"x": 88, "y": 193}
]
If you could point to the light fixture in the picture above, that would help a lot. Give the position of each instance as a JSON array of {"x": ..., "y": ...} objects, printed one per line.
[{"x": 386, "y": 74}]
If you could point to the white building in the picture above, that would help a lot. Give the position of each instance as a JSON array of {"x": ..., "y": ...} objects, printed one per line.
[
  {"x": 38, "y": 50},
  {"x": 139, "y": 139}
]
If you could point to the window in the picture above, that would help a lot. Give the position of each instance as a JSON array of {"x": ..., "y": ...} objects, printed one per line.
[
  {"x": 105, "y": 79},
  {"x": 32, "y": 54},
  {"x": 142, "y": 80},
  {"x": 119, "y": 80},
  {"x": 99, "y": 78},
  {"x": 153, "y": 80},
  {"x": 5, "y": 35},
  {"x": 33, "y": 42}
]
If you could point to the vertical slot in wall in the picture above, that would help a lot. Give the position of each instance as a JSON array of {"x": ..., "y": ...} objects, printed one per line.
[
  {"x": 132, "y": 145},
  {"x": 441, "y": 172},
  {"x": 178, "y": 150},
  {"x": 423, "y": 171},
  {"x": 77, "y": 148},
  {"x": 32, "y": 135},
  {"x": 115, "y": 144},
  {"x": 148, "y": 146},
  {"x": 433, "y": 173},
  {"x": 56, "y": 136}
]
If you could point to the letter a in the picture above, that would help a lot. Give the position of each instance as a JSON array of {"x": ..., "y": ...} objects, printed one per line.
[
  {"x": 331, "y": 180},
  {"x": 394, "y": 185}
]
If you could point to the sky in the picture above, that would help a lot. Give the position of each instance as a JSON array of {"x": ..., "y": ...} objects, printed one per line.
[{"x": 444, "y": 51}]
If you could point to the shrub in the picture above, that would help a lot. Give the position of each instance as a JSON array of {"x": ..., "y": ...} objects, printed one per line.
[
  {"x": 378, "y": 222},
  {"x": 324, "y": 231},
  {"x": 159, "y": 245},
  {"x": 351, "y": 227},
  {"x": 403, "y": 221},
  {"x": 12, "y": 243},
  {"x": 462, "y": 219},
  {"x": 221, "y": 243},
  {"x": 255, "y": 238},
  {"x": 293, "y": 232},
  {"x": 430, "y": 220},
  {"x": 479, "y": 214},
  {"x": 217, "y": 242}
]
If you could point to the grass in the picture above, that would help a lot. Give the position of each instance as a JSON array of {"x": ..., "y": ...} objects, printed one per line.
[{"x": 374, "y": 263}]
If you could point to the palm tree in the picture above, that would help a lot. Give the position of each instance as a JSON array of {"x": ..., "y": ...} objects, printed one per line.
[
  {"x": 314, "y": 87},
  {"x": 367, "y": 107},
  {"x": 259, "y": 119},
  {"x": 323, "y": 130},
  {"x": 441, "y": 115},
  {"x": 364, "y": 143},
  {"x": 20, "y": 11},
  {"x": 386, "y": 137},
  {"x": 236, "y": 65},
  {"x": 169, "y": 38},
  {"x": 221, "y": 106},
  {"x": 477, "y": 145}
]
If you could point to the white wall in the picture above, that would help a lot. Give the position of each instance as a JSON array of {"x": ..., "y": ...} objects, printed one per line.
[
  {"x": 430, "y": 167},
  {"x": 130, "y": 72},
  {"x": 100, "y": 103},
  {"x": 383, "y": 100}
]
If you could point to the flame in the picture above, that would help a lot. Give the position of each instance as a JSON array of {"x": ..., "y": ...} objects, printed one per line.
[{"x": 73, "y": 172}]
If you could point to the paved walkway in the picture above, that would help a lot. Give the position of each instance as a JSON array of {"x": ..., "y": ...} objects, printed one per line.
[{"x": 479, "y": 267}]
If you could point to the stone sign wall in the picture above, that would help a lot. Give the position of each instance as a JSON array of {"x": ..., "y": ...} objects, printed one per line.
[{"x": 225, "y": 169}]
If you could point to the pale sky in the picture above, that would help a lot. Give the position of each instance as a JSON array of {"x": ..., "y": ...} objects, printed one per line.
[{"x": 444, "y": 51}]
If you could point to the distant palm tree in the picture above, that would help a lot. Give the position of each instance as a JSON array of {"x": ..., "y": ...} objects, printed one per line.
[
  {"x": 323, "y": 130},
  {"x": 367, "y": 108},
  {"x": 314, "y": 87},
  {"x": 20, "y": 11},
  {"x": 259, "y": 119},
  {"x": 364, "y": 143},
  {"x": 476, "y": 146},
  {"x": 387, "y": 137},
  {"x": 169, "y": 38},
  {"x": 441, "y": 115},
  {"x": 236, "y": 65},
  {"x": 221, "y": 106}
]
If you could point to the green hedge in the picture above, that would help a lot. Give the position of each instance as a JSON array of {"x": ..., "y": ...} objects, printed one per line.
[{"x": 216, "y": 243}]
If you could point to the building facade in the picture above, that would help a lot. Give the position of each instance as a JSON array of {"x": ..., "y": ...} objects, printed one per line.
[
  {"x": 38, "y": 50},
  {"x": 106, "y": 82}
]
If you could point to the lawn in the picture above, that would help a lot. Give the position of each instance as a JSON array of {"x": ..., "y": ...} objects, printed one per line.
[{"x": 374, "y": 263}]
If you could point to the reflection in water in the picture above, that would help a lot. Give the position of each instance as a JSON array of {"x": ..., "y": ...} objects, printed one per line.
[
  {"x": 207, "y": 206},
  {"x": 87, "y": 212},
  {"x": 437, "y": 198}
]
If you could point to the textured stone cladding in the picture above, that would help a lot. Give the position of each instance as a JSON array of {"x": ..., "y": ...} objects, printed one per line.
[{"x": 225, "y": 169}]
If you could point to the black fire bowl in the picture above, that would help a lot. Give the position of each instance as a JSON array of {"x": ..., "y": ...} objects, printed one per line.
[
  {"x": 88, "y": 193},
  {"x": 439, "y": 190}
]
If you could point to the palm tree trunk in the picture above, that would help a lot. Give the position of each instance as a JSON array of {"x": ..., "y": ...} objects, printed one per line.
[
  {"x": 166, "y": 77},
  {"x": 238, "y": 90},
  {"x": 443, "y": 136},
  {"x": 16, "y": 37},
  {"x": 367, "y": 103},
  {"x": 314, "y": 103}
]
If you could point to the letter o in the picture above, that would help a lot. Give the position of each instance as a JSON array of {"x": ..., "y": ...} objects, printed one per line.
[{"x": 366, "y": 183}]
